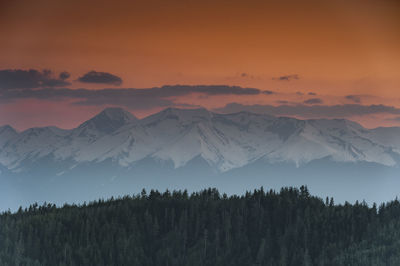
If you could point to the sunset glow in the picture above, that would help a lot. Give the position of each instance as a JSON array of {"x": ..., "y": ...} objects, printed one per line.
[{"x": 313, "y": 53}]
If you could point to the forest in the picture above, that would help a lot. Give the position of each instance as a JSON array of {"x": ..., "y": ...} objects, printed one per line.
[{"x": 262, "y": 227}]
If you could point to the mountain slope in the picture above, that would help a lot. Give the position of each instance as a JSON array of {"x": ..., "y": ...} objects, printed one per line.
[
  {"x": 224, "y": 141},
  {"x": 115, "y": 152}
]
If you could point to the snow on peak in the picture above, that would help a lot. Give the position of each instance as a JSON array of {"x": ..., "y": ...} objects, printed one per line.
[
  {"x": 108, "y": 120},
  {"x": 7, "y": 129},
  {"x": 179, "y": 115},
  {"x": 7, "y": 133},
  {"x": 116, "y": 113},
  {"x": 225, "y": 141}
]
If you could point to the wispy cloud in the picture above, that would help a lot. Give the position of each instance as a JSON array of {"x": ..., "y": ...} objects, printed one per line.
[
  {"x": 282, "y": 102},
  {"x": 246, "y": 75},
  {"x": 396, "y": 119},
  {"x": 268, "y": 92},
  {"x": 354, "y": 98},
  {"x": 129, "y": 97},
  {"x": 314, "y": 101},
  {"x": 287, "y": 77}
]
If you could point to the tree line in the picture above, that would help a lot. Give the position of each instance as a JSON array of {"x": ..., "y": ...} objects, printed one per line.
[{"x": 289, "y": 227}]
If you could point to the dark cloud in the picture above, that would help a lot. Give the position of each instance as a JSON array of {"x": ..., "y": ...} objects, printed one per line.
[
  {"x": 299, "y": 93},
  {"x": 312, "y": 93},
  {"x": 312, "y": 111},
  {"x": 282, "y": 102},
  {"x": 268, "y": 92},
  {"x": 11, "y": 79},
  {"x": 246, "y": 75},
  {"x": 100, "y": 77},
  {"x": 177, "y": 90},
  {"x": 64, "y": 75},
  {"x": 130, "y": 97},
  {"x": 287, "y": 77},
  {"x": 354, "y": 98},
  {"x": 159, "y": 96},
  {"x": 314, "y": 101}
]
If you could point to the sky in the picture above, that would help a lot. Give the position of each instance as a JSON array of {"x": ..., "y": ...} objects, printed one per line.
[{"x": 61, "y": 62}]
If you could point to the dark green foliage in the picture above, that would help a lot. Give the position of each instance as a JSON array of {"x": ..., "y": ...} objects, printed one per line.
[{"x": 206, "y": 228}]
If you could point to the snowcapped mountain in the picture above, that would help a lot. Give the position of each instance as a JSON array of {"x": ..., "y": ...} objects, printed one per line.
[
  {"x": 224, "y": 141},
  {"x": 114, "y": 151},
  {"x": 106, "y": 122},
  {"x": 7, "y": 133}
]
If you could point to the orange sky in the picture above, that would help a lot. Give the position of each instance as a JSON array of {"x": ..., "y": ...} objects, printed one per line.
[{"x": 337, "y": 48}]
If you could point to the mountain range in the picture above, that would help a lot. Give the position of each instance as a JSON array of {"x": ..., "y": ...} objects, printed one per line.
[{"x": 115, "y": 153}]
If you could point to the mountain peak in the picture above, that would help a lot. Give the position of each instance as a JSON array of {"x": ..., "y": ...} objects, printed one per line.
[
  {"x": 109, "y": 120},
  {"x": 7, "y": 133},
  {"x": 7, "y": 128},
  {"x": 183, "y": 115},
  {"x": 337, "y": 124},
  {"x": 190, "y": 112},
  {"x": 117, "y": 113}
]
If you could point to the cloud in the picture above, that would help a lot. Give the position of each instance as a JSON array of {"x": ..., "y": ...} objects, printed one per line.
[
  {"x": 354, "y": 98},
  {"x": 313, "y": 101},
  {"x": 396, "y": 119},
  {"x": 287, "y": 77},
  {"x": 312, "y": 93},
  {"x": 101, "y": 78},
  {"x": 299, "y": 93},
  {"x": 282, "y": 102},
  {"x": 267, "y": 92},
  {"x": 11, "y": 79},
  {"x": 311, "y": 111},
  {"x": 177, "y": 90},
  {"x": 159, "y": 96},
  {"x": 64, "y": 75},
  {"x": 130, "y": 97},
  {"x": 246, "y": 75}
]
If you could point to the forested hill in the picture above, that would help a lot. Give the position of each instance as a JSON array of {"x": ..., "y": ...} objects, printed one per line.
[{"x": 205, "y": 228}]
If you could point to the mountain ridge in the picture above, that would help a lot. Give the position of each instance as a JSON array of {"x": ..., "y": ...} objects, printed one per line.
[
  {"x": 226, "y": 141},
  {"x": 193, "y": 149}
]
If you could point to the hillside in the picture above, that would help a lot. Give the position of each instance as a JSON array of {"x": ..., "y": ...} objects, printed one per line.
[{"x": 205, "y": 228}]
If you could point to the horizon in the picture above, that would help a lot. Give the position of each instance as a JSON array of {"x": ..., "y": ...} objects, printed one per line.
[
  {"x": 27, "y": 108},
  {"x": 177, "y": 108}
]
